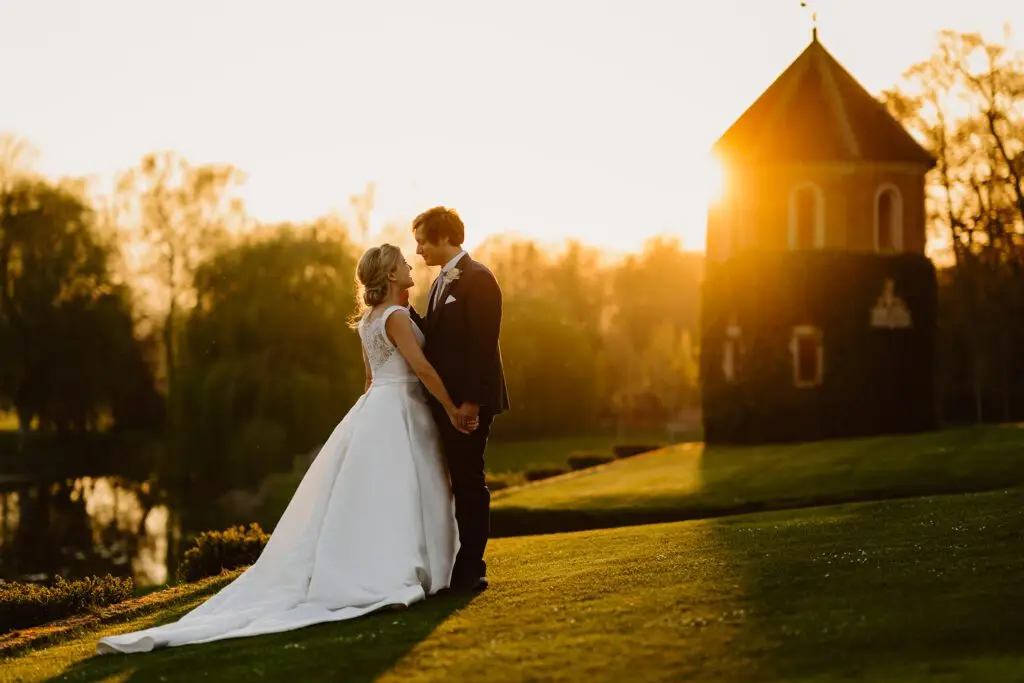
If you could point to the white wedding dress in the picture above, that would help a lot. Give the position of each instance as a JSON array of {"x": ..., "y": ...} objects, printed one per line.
[{"x": 371, "y": 525}]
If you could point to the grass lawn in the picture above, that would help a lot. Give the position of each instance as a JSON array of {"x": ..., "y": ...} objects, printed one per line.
[
  {"x": 507, "y": 459},
  {"x": 690, "y": 481},
  {"x": 504, "y": 457},
  {"x": 911, "y": 590}
]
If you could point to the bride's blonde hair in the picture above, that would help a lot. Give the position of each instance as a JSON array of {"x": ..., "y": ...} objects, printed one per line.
[{"x": 372, "y": 282}]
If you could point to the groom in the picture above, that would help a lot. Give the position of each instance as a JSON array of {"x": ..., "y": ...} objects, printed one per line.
[{"x": 461, "y": 329}]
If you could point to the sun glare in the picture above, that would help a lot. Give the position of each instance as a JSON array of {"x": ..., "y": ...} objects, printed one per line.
[{"x": 713, "y": 179}]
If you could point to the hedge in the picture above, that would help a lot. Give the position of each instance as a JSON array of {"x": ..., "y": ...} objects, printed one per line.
[
  {"x": 217, "y": 551},
  {"x": 544, "y": 473},
  {"x": 27, "y": 604},
  {"x": 582, "y": 460},
  {"x": 629, "y": 450}
]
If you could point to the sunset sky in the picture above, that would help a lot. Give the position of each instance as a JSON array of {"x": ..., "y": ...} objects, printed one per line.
[{"x": 587, "y": 119}]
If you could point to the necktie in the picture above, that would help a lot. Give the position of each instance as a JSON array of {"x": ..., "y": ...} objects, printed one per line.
[{"x": 435, "y": 292}]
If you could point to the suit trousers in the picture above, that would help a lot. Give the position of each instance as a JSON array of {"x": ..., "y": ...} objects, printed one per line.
[{"x": 465, "y": 456}]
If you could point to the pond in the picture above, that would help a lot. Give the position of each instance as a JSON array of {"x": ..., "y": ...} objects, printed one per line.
[
  {"x": 88, "y": 505},
  {"x": 83, "y": 526}
]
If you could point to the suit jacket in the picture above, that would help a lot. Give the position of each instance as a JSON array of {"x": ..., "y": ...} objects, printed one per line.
[{"x": 462, "y": 338}]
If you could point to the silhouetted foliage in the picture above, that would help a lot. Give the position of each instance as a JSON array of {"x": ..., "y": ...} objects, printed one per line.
[
  {"x": 177, "y": 215},
  {"x": 68, "y": 353},
  {"x": 586, "y": 338},
  {"x": 966, "y": 103},
  {"x": 269, "y": 365}
]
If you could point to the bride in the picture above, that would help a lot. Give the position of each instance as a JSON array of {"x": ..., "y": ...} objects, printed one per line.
[{"x": 372, "y": 523}]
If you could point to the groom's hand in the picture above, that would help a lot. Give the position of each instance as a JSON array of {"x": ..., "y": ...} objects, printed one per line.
[{"x": 469, "y": 416}]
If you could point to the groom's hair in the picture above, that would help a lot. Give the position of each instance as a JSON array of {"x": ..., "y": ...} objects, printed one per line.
[{"x": 440, "y": 222}]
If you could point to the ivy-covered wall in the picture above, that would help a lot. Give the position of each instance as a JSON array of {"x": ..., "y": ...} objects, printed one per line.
[{"x": 874, "y": 380}]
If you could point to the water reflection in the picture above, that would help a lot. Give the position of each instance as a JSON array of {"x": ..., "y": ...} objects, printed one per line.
[{"x": 81, "y": 527}]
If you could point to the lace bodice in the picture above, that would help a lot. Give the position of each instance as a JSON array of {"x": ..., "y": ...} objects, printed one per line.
[{"x": 385, "y": 360}]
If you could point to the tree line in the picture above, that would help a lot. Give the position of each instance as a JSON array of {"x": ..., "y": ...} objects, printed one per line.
[
  {"x": 966, "y": 103},
  {"x": 164, "y": 307}
]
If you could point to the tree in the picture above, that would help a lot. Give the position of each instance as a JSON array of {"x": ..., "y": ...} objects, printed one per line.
[
  {"x": 552, "y": 369},
  {"x": 966, "y": 103},
  {"x": 269, "y": 364},
  {"x": 70, "y": 357},
  {"x": 551, "y": 337},
  {"x": 178, "y": 214},
  {"x": 17, "y": 156},
  {"x": 585, "y": 337},
  {"x": 654, "y": 307}
]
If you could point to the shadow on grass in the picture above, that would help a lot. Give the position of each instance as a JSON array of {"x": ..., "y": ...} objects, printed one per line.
[
  {"x": 359, "y": 651},
  {"x": 894, "y": 591}
]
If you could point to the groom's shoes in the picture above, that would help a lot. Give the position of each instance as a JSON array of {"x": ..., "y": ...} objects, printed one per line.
[{"x": 469, "y": 586}]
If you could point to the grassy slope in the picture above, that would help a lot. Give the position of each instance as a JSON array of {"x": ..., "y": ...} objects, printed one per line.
[
  {"x": 518, "y": 456},
  {"x": 921, "y": 589},
  {"x": 506, "y": 458},
  {"x": 690, "y": 481},
  {"x": 146, "y": 603}
]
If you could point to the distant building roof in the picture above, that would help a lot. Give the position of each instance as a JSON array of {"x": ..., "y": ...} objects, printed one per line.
[{"x": 815, "y": 111}]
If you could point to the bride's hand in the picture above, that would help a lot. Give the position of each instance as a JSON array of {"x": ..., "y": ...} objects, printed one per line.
[{"x": 453, "y": 416}]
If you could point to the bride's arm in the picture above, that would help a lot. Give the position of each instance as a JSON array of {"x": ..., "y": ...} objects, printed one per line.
[
  {"x": 369, "y": 372},
  {"x": 399, "y": 330}
]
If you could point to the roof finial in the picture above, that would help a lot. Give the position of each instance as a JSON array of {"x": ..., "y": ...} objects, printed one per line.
[{"x": 814, "y": 19}]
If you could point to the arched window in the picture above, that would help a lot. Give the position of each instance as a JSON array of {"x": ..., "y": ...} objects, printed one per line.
[
  {"x": 806, "y": 217},
  {"x": 888, "y": 219}
]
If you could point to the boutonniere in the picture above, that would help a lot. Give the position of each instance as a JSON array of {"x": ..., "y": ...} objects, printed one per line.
[{"x": 452, "y": 275}]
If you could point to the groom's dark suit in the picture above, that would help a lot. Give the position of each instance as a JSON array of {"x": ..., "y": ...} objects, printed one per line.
[{"x": 462, "y": 344}]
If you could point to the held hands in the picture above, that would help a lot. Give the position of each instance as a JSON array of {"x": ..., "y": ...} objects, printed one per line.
[
  {"x": 466, "y": 418},
  {"x": 453, "y": 415},
  {"x": 469, "y": 416}
]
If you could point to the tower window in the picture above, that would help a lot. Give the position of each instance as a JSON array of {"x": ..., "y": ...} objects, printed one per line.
[
  {"x": 888, "y": 219},
  {"x": 808, "y": 356},
  {"x": 806, "y": 217},
  {"x": 731, "y": 353}
]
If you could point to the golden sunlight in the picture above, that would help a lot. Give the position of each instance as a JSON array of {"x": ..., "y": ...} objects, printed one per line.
[
  {"x": 712, "y": 180},
  {"x": 500, "y": 136}
]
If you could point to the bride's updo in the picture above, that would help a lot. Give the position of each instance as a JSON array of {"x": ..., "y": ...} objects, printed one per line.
[{"x": 372, "y": 273}]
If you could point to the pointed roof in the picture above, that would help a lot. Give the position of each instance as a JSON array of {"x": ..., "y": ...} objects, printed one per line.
[{"x": 815, "y": 111}]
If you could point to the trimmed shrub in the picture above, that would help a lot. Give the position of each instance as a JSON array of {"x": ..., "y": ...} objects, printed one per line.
[
  {"x": 584, "y": 460},
  {"x": 629, "y": 450},
  {"x": 27, "y": 604},
  {"x": 216, "y": 551},
  {"x": 497, "y": 482},
  {"x": 544, "y": 473}
]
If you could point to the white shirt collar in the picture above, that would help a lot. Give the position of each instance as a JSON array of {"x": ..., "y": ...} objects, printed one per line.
[{"x": 451, "y": 264}]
